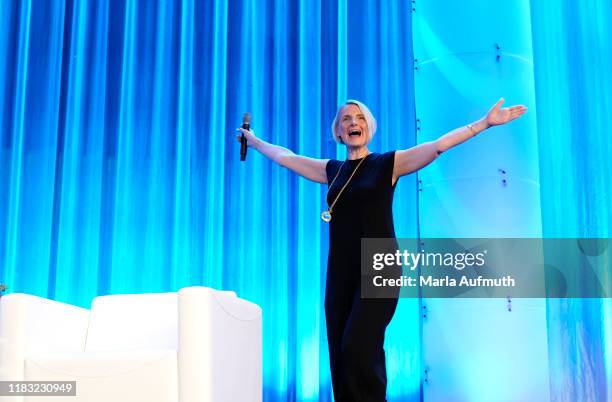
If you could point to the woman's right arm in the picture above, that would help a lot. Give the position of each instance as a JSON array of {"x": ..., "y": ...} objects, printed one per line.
[{"x": 310, "y": 168}]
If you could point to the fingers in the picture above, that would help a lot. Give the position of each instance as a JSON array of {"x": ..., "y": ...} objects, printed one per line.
[
  {"x": 499, "y": 103},
  {"x": 249, "y": 134},
  {"x": 512, "y": 109},
  {"x": 516, "y": 111}
]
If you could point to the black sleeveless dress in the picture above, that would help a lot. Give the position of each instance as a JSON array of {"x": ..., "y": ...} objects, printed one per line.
[{"x": 356, "y": 326}]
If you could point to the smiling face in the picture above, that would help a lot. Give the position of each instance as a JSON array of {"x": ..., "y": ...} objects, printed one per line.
[{"x": 352, "y": 126}]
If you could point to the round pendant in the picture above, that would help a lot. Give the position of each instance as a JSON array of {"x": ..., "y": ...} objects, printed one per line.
[{"x": 326, "y": 216}]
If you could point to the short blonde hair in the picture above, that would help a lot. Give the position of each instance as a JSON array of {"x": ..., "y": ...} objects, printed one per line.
[{"x": 371, "y": 121}]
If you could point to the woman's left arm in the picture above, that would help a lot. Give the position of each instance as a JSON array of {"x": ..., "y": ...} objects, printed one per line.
[{"x": 412, "y": 159}]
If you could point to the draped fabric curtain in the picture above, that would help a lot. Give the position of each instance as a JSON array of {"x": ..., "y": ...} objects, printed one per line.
[
  {"x": 573, "y": 70},
  {"x": 119, "y": 167}
]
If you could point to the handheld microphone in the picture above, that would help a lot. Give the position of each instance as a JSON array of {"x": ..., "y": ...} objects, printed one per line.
[{"x": 246, "y": 124}]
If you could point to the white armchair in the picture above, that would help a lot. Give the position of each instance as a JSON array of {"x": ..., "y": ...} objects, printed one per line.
[{"x": 195, "y": 345}]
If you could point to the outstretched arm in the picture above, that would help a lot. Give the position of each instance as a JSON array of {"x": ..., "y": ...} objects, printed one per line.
[
  {"x": 417, "y": 157},
  {"x": 310, "y": 168}
]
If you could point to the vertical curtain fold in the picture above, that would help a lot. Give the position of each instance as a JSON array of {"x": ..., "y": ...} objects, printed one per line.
[
  {"x": 573, "y": 69},
  {"x": 119, "y": 167}
]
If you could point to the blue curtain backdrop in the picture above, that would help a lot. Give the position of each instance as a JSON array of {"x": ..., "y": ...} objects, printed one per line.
[
  {"x": 119, "y": 169},
  {"x": 573, "y": 71}
]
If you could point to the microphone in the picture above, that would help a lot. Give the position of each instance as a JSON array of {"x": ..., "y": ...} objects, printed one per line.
[{"x": 246, "y": 124}]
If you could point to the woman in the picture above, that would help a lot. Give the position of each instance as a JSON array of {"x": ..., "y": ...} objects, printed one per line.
[{"x": 360, "y": 199}]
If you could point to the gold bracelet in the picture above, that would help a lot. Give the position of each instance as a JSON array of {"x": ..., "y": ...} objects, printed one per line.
[{"x": 469, "y": 126}]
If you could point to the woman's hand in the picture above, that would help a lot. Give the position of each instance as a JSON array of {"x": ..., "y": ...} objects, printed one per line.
[
  {"x": 310, "y": 168},
  {"x": 498, "y": 115},
  {"x": 252, "y": 140}
]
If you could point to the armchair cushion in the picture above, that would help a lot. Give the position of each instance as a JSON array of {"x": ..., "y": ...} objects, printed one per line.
[
  {"x": 31, "y": 325},
  {"x": 133, "y": 322},
  {"x": 110, "y": 376}
]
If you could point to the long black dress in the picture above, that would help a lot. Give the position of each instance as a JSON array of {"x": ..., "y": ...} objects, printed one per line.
[{"x": 356, "y": 326}]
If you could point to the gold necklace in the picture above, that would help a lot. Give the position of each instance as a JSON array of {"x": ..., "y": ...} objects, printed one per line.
[{"x": 327, "y": 215}]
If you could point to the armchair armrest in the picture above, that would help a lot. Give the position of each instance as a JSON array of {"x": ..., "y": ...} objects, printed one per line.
[
  {"x": 31, "y": 324},
  {"x": 220, "y": 347}
]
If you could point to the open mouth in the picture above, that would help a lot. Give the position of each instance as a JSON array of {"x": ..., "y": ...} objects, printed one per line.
[{"x": 355, "y": 132}]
